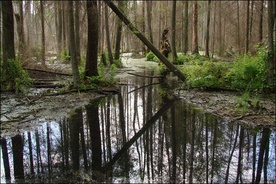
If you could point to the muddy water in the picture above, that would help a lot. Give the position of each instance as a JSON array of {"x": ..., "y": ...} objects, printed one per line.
[{"x": 142, "y": 135}]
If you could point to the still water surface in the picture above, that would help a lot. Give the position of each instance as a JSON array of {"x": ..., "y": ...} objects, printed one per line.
[{"x": 140, "y": 136}]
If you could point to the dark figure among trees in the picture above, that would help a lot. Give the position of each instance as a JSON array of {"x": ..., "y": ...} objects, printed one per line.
[{"x": 165, "y": 47}]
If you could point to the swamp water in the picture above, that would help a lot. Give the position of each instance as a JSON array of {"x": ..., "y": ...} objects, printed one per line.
[{"x": 141, "y": 135}]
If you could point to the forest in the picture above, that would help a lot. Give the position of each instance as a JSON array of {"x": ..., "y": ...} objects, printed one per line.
[
  {"x": 82, "y": 31},
  {"x": 138, "y": 91}
]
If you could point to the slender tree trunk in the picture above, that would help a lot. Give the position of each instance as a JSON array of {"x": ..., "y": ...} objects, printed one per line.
[
  {"x": 261, "y": 21},
  {"x": 92, "y": 41},
  {"x": 42, "y": 32},
  {"x": 72, "y": 46},
  {"x": 149, "y": 18},
  {"x": 59, "y": 29},
  {"x": 247, "y": 27},
  {"x": 77, "y": 31},
  {"x": 195, "y": 31},
  {"x": 174, "y": 54},
  {"x": 143, "y": 24},
  {"x": 207, "y": 30},
  {"x": 8, "y": 31},
  {"x": 118, "y": 33},
  {"x": 109, "y": 50},
  {"x": 270, "y": 39},
  {"x": 238, "y": 27},
  {"x": 186, "y": 26},
  {"x": 251, "y": 19},
  {"x": 20, "y": 31}
]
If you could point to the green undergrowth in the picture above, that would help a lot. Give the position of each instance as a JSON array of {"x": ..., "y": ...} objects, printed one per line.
[
  {"x": 14, "y": 77},
  {"x": 106, "y": 77},
  {"x": 246, "y": 73}
]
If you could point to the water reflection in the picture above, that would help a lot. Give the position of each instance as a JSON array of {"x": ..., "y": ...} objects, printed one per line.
[{"x": 140, "y": 135}]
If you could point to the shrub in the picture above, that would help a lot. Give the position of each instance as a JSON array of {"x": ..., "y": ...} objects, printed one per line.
[
  {"x": 150, "y": 56},
  {"x": 209, "y": 74},
  {"x": 14, "y": 77},
  {"x": 249, "y": 72}
]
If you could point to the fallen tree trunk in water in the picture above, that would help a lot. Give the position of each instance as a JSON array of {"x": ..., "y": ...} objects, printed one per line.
[{"x": 135, "y": 31}]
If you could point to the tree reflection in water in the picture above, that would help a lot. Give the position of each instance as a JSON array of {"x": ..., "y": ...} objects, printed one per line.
[{"x": 139, "y": 136}]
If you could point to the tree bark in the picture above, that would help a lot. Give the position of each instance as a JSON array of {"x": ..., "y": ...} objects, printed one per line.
[
  {"x": 92, "y": 40},
  {"x": 186, "y": 26},
  {"x": 135, "y": 31},
  {"x": 271, "y": 49},
  {"x": 118, "y": 33},
  {"x": 109, "y": 50},
  {"x": 207, "y": 30},
  {"x": 174, "y": 54},
  {"x": 247, "y": 27},
  {"x": 8, "y": 31},
  {"x": 149, "y": 18},
  {"x": 20, "y": 31},
  {"x": 72, "y": 46},
  {"x": 77, "y": 30},
  {"x": 42, "y": 32},
  {"x": 261, "y": 21},
  {"x": 195, "y": 31}
]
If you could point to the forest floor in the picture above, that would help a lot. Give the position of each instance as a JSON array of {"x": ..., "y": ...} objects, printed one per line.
[{"x": 21, "y": 113}]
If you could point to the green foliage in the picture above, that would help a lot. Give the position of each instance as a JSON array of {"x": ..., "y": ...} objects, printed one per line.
[
  {"x": 14, "y": 77},
  {"x": 118, "y": 63},
  {"x": 150, "y": 56},
  {"x": 65, "y": 56},
  {"x": 249, "y": 72},
  {"x": 209, "y": 74}
]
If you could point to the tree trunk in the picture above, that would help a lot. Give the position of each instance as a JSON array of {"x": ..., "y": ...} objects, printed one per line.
[
  {"x": 186, "y": 26},
  {"x": 270, "y": 39},
  {"x": 135, "y": 31},
  {"x": 77, "y": 30},
  {"x": 118, "y": 33},
  {"x": 195, "y": 31},
  {"x": 109, "y": 50},
  {"x": 149, "y": 18},
  {"x": 42, "y": 32},
  {"x": 92, "y": 40},
  {"x": 238, "y": 27},
  {"x": 207, "y": 30},
  {"x": 8, "y": 31},
  {"x": 174, "y": 54},
  {"x": 20, "y": 31},
  {"x": 247, "y": 27},
  {"x": 261, "y": 21},
  {"x": 72, "y": 46},
  {"x": 0, "y": 33}
]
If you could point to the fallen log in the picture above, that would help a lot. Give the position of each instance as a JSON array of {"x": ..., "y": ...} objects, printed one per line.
[
  {"x": 135, "y": 31},
  {"x": 47, "y": 71}
]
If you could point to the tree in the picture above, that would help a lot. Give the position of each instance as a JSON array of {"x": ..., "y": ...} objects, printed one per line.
[
  {"x": 118, "y": 34},
  {"x": 92, "y": 40},
  {"x": 20, "y": 31},
  {"x": 149, "y": 18},
  {"x": 109, "y": 51},
  {"x": 185, "y": 29},
  {"x": 8, "y": 31},
  {"x": 261, "y": 21},
  {"x": 42, "y": 32},
  {"x": 247, "y": 27},
  {"x": 207, "y": 30},
  {"x": 174, "y": 54},
  {"x": 195, "y": 31},
  {"x": 270, "y": 40},
  {"x": 77, "y": 30},
  {"x": 72, "y": 46}
]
